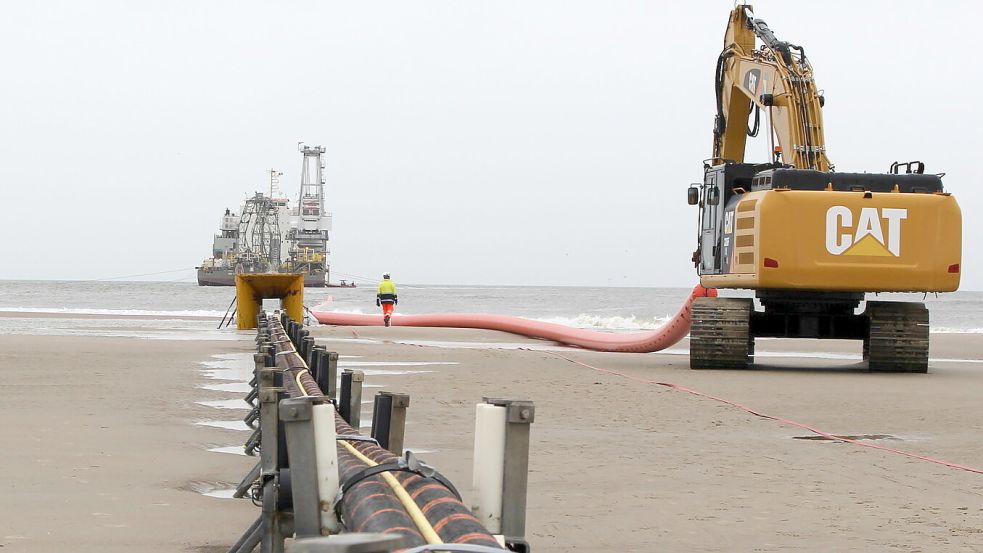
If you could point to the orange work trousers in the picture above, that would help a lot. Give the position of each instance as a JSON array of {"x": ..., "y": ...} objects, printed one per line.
[{"x": 387, "y": 308}]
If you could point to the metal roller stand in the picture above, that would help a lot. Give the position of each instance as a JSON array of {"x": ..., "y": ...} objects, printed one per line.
[
  {"x": 306, "y": 349},
  {"x": 350, "y": 399},
  {"x": 259, "y": 359},
  {"x": 319, "y": 367},
  {"x": 271, "y": 463},
  {"x": 314, "y": 363},
  {"x": 269, "y": 529},
  {"x": 519, "y": 415},
  {"x": 330, "y": 370},
  {"x": 389, "y": 420},
  {"x": 296, "y": 414}
]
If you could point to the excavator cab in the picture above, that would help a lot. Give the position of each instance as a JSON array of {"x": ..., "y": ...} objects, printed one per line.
[{"x": 722, "y": 184}]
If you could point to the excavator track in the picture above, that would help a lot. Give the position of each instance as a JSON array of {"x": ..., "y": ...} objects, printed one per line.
[
  {"x": 720, "y": 336},
  {"x": 897, "y": 340}
]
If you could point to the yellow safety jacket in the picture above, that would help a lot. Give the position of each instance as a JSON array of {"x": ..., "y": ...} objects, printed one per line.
[{"x": 387, "y": 291}]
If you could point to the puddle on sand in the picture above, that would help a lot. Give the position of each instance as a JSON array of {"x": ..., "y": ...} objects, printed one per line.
[
  {"x": 848, "y": 437},
  {"x": 228, "y": 425},
  {"x": 223, "y": 490},
  {"x": 229, "y": 366},
  {"x": 226, "y": 404},
  {"x": 230, "y": 449},
  {"x": 241, "y": 387},
  {"x": 396, "y": 363},
  {"x": 382, "y": 372}
]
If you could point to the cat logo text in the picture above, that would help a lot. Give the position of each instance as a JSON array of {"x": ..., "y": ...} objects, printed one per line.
[{"x": 871, "y": 232}]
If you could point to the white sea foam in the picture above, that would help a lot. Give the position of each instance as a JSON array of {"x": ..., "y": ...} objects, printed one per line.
[
  {"x": 127, "y": 312},
  {"x": 328, "y": 308},
  {"x": 598, "y": 322},
  {"x": 948, "y": 330}
]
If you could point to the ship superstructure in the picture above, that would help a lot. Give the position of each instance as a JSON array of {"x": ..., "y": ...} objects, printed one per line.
[
  {"x": 267, "y": 236},
  {"x": 310, "y": 224}
]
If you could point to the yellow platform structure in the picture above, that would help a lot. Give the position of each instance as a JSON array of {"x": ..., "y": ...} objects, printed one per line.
[{"x": 252, "y": 289}]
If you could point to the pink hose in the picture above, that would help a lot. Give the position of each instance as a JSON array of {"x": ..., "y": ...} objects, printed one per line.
[{"x": 633, "y": 342}]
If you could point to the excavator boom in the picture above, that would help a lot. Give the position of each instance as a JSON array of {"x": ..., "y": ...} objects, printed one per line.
[{"x": 776, "y": 78}]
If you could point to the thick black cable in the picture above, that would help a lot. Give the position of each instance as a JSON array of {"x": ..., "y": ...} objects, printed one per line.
[{"x": 753, "y": 130}]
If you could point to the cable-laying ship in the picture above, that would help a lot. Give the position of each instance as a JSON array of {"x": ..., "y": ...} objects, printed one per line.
[{"x": 267, "y": 236}]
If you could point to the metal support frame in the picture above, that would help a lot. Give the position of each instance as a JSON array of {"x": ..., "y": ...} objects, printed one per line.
[
  {"x": 247, "y": 481},
  {"x": 314, "y": 362},
  {"x": 330, "y": 370},
  {"x": 319, "y": 366},
  {"x": 286, "y": 476},
  {"x": 349, "y": 543},
  {"x": 250, "y": 539},
  {"x": 307, "y": 349},
  {"x": 296, "y": 414},
  {"x": 389, "y": 420},
  {"x": 269, "y": 397},
  {"x": 519, "y": 416},
  {"x": 270, "y": 459},
  {"x": 350, "y": 399}
]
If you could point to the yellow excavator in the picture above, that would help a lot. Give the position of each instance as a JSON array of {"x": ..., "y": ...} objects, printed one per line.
[{"x": 811, "y": 242}]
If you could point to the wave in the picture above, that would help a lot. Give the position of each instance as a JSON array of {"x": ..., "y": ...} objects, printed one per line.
[
  {"x": 94, "y": 311},
  {"x": 950, "y": 330},
  {"x": 599, "y": 322},
  {"x": 327, "y": 307}
]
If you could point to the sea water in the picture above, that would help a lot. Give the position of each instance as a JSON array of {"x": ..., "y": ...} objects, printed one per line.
[{"x": 182, "y": 310}]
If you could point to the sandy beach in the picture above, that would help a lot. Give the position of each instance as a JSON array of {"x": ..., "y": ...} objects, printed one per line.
[
  {"x": 103, "y": 453},
  {"x": 106, "y": 454},
  {"x": 622, "y": 465}
]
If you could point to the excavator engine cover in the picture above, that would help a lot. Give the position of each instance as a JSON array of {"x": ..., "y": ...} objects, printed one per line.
[{"x": 858, "y": 233}]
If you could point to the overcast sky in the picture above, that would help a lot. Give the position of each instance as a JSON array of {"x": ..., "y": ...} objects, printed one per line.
[{"x": 525, "y": 142}]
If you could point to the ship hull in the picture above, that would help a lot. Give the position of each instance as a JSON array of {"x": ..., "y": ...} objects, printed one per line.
[{"x": 228, "y": 278}]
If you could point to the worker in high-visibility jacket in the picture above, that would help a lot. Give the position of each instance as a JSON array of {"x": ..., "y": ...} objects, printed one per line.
[{"x": 386, "y": 297}]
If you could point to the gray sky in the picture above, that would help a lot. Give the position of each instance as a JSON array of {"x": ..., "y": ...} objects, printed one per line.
[{"x": 487, "y": 143}]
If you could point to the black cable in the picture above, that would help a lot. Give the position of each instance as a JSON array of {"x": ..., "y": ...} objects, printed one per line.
[
  {"x": 720, "y": 122},
  {"x": 142, "y": 274},
  {"x": 753, "y": 131},
  {"x": 227, "y": 312}
]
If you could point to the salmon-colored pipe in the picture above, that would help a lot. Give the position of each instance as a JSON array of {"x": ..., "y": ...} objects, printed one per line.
[{"x": 632, "y": 342}]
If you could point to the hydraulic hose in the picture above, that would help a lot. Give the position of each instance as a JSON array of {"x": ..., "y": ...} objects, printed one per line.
[{"x": 632, "y": 342}]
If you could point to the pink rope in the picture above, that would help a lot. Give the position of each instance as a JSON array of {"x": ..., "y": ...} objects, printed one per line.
[{"x": 788, "y": 422}]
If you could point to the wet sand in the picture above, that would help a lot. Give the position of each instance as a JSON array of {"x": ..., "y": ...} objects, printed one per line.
[
  {"x": 623, "y": 465},
  {"x": 103, "y": 453}
]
